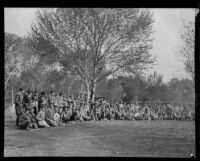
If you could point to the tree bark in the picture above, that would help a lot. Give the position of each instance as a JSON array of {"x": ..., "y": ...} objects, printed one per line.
[
  {"x": 7, "y": 81},
  {"x": 12, "y": 93},
  {"x": 87, "y": 85},
  {"x": 93, "y": 91}
]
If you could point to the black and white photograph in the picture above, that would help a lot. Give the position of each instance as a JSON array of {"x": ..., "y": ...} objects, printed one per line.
[{"x": 99, "y": 82}]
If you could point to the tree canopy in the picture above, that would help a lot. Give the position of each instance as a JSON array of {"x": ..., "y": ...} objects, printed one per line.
[{"x": 98, "y": 42}]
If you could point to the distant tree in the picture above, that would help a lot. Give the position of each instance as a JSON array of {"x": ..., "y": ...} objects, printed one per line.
[
  {"x": 155, "y": 87},
  {"x": 18, "y": 58},
  {"x": 114, "y": 90},
  {"x": 181, "y": 91},
  {"x": 133, "y": 87},
  {"x": 97, "y": 39},
  {"x": 187, "y": 48}
]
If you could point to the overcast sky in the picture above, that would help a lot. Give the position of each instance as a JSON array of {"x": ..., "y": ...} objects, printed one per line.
[{"x": 167, "y": 28}]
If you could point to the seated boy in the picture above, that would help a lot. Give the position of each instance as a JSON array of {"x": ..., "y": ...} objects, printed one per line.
[
  {"x": 83, "y": 114},
  {"x": 66, "y": 114},
  {"x": 33, "y": 123},
  {"x": 77, "y": 116},
  {"x": 57, "y": 117},
  {"x": 50, "y": 117},
  {"x": 24, "y": 119},
  {"x": 41, "y": 118}
]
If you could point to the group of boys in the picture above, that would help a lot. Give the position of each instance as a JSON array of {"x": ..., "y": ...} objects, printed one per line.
[{"x": 35, "y": 110}]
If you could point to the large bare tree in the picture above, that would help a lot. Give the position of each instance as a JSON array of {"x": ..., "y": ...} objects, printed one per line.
[{"x": 98, "y": 42}]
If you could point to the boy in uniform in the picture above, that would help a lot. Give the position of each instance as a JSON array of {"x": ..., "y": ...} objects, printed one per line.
[
  {"x": 42, "y": 102},
  {"x": 50, "y": 117},
  {"x": 35, "y": 104},
  {"x": 24, "y": 119},
  {"x": 19, "y": 104},
  {"x": 66, "y": 115},
  {"x": 41, "y": 118},
  {"x": 33, "y": 121},
  {"x": 57, "y": 117},
  {"x": 27, "y": 99},
  {"x": 83, "y": 114},
  {"x": 51, "y": 100}
]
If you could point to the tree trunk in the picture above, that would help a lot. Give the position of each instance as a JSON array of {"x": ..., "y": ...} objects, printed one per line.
[
  {"x": 12, "y": 93},
  {"x": 82, "y": 91},
  {"x": 7, "y": 81},
  {"x": 93, "y": 91},
  {"x": 87, "y": 85}
]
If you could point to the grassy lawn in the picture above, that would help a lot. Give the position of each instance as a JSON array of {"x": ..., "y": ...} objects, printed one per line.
[{"x": 112, "y": 138}]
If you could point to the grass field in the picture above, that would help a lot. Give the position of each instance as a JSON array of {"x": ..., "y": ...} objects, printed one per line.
[{"x": 113, "y": 138}]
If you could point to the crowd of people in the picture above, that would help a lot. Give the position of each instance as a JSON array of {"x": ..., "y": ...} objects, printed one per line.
[{"x": 47, "y": 109}]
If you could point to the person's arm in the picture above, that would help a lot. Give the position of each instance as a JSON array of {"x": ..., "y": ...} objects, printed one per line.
[
  {"x": 39, "y": 117},
  {"x": 36, "y": 107},
  {"x": 25, "y": 117},
  {"x": 17, "y": 100},
  {"x": 33, "y": 118},
  {"x": 61, "y": 117}
]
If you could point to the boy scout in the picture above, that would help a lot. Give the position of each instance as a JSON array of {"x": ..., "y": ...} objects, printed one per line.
[
  {"x": 24, "y": 119},
  {"x": 27, "y": 99},
  {"x": 19, "y": 104},
  {"x": 41, "y": 118}
]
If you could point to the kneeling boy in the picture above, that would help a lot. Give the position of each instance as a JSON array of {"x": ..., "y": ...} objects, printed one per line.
[{"x": 24, "y": 120}]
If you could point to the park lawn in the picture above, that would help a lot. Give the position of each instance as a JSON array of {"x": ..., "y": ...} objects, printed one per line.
[{"x": 106, "y": 138}]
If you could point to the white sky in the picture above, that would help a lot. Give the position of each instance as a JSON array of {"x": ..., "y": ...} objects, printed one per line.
[{"x": 167, "y": 28}]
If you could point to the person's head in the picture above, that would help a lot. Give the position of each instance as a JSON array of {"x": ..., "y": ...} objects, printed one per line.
[
  {"x": 28, "y": 91},
  {"x": 65, "y": 109},
  {"x": 51, "y": 93},
  {"x": 21, "y": 90},
  {"x": 42, "y": 109},
  {"x": 60, "y": 110},
  {"x": 56, "y": 109},
  {"x": 42, "y": 93},
  {"x": 49, "y": 108},
  {"x": 27, "y": 110},
  {"x": 32, "y": 110},
  {"x": 60, "y": 94},
  {"x": 34, "y": 97}
]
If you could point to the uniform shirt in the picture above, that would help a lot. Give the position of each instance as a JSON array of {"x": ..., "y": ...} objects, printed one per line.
[
  {"x": 24, "y": 117},
  {"x": 65, "y": 103},
  {"x": 67, "y": 114},
  {"x": 19, "y": 99},
  {"x": 42, "y": 101},
  {"x": 32, "y": 117},
  {"x": 35, "y": 103},
  {"x": 56, "y": 101},
  {"x": 51, "y": 100},
  {"x": 98, "y": 110},
  {"x": 49, "y": 114},
  {"x": 60, "y": 101},
  {"x": 27, "y": 99},
  {"x": 41, "y": 116},
  {"x": 146, "y": 110},
  {"x": 57, "y": 117}
]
